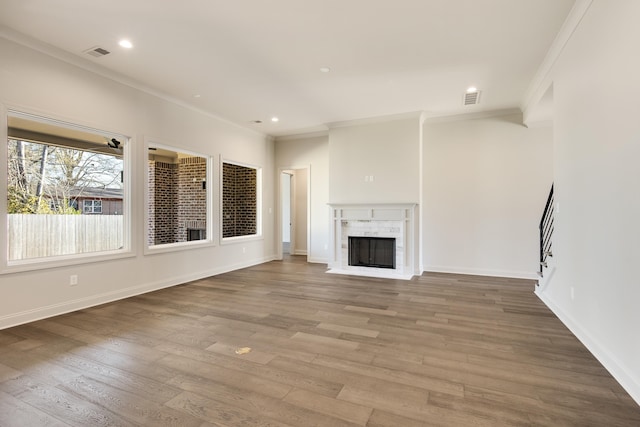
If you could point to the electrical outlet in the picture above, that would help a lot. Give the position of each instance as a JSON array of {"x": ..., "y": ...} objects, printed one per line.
[
  {"x": 73, "y": 280},
  {"x": 244, "y": 250},
  {"x": 573, "y": 293}
]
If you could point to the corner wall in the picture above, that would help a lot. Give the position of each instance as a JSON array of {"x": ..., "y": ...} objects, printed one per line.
[
  {"x": 41, "y": 84},
  {"x": 595, "y": 289},
  {"x": 313, "y": 153},
  {"x": 485, "y": 182}
]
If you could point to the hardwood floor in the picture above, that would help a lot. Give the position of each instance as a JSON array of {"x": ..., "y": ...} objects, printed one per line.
[{"x": 325, "y": 350}]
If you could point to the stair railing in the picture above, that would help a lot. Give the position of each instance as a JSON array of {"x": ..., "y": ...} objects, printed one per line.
[{"x": 546, "y": 231}]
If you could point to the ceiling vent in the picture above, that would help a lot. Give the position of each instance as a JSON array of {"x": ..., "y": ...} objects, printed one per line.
[
  {"x": 471, "y": 98},
  {"x": 97, "y": 52}
]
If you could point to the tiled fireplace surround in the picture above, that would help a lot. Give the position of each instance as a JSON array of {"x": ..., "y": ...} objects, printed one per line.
[{"x": 374, "y": 220}]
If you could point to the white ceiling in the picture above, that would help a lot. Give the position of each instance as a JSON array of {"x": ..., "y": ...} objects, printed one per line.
[{"x": 254, "y": 59}]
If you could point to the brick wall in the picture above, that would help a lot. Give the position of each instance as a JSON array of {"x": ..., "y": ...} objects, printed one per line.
[
  {"x": 165, "y": 202},
  {"x": 192, "y": 198},
  {"x": 239, "y": 200},
  {"x": 177, "y": 199},
  {"x": 151, "y": 221}
]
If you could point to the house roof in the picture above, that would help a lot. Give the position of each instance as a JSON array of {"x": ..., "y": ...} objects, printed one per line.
[
  {"x": 96, "y": 193},
  {"x": 248, "y": 61}
]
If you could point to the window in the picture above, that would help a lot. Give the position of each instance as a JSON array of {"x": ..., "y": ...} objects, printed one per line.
[
  {"x": 92, "y": 207},
  {"x": 177, "y": 197},
  {"x": 240, "y": 200},
  {"x": 53, "y": 169}
]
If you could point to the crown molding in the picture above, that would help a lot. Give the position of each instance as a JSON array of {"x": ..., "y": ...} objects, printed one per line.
[
  {"x": 323, "y": 130},
  {"x": 373, "y": 120},
  {"x": 422, "y": 116},
  {"x": 472, "y": 116},
  {"x": 85, "y": 64},
  {"x": 306, "y": 135},
  {"x": 542, "y": 79}
]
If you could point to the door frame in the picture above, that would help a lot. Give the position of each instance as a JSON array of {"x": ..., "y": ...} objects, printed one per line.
[{"x": 279, "y": 209}]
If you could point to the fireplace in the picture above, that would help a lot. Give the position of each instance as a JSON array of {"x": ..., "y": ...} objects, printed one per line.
[
  {"x": 196, "y": 234},
  {"x": 376, "y": 252},
  {"x": 196, "y": 230},
  {"x": 385, "y": 242}
]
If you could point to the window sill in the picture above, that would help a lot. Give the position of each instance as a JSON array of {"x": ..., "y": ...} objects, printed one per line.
[
  {"x": 249, "y": 238},
  {"x": 36, "y": 264},
  {"x": 178, "y": 246}
]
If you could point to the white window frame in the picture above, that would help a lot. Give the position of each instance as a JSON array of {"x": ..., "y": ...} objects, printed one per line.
[
  {"x": 210, "y": 239},
  {"x": 126, "y": 251},
  {"x": 258, "y": 235}
]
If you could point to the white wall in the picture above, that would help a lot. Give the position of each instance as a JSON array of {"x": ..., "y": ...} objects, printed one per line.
[
  {"x": 597, "y": 182},
  {"x": 37, "y": 83},
  {"x": 387, "y": 151},
  {"x": 485, "y": 185},
  {"x": 313, "y": 153}
]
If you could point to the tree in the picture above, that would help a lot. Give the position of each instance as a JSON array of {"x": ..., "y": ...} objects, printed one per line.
[
  {"x": 48, "y": 179},
  {"x": 21, "y": 195}
]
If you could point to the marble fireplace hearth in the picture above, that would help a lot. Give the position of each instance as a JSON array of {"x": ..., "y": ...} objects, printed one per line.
[{"x": 395, "y": 221}]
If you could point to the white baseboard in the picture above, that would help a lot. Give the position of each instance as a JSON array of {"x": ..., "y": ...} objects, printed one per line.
[
  {"x": 544, "y": 281},
  {"x": 315, "y": 260},
  {"x": 40, "y": 313},
  {"x": 514, "y": 274},
  {"x": 299, "y": 252},
  {"x": 611, "y": 363}
]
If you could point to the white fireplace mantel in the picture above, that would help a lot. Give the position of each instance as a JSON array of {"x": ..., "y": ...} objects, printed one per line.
[{"x": 396, "y": 220}]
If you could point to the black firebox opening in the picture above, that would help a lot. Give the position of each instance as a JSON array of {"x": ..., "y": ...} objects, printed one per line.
[
  {"x": 379, "y": 252},
  {"x": 196, "y": 234}
]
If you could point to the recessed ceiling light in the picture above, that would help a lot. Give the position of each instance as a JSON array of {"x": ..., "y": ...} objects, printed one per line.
[
  {"x": 325, "y": 69},
  {"x": 125, "y": 44},
  {"x": 197, "y": 95},
  {"x": 275, "y": 119},
  {"x": 472, "y": 89}
]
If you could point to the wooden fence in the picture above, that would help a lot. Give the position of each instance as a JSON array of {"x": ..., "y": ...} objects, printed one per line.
[{"x": 37, "y": 236}]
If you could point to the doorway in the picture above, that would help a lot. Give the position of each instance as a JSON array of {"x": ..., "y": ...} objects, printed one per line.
[
  {"x": 294, "y": 211},
  {"x": 285, "y": 190}
]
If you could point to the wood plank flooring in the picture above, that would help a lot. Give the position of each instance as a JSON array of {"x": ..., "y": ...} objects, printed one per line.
[{"x": 325, "y": 350}]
